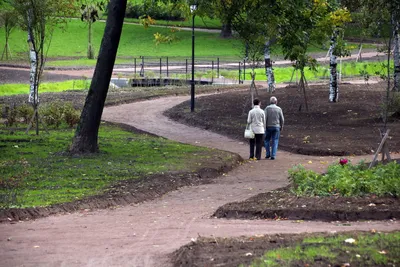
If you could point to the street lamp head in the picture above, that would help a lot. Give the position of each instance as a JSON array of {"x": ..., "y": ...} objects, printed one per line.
[{"x": 193, "y": 8}]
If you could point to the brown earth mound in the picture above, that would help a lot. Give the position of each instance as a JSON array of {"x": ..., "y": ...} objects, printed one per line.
[{"x": 282, "y": 204}]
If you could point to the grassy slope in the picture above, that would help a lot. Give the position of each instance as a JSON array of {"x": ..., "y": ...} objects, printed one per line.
[{"x": 135, "y": 41}]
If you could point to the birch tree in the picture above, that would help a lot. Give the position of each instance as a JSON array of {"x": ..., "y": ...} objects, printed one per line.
[
  {"x": 255, "y": 23},
  {"x": 337, "y": 49},
  {"x": 268, "y": 66},
  {"x": 86, "y": 135},
  {"x": 305, "y": 23},
  {"x": 40, "y": 17}
]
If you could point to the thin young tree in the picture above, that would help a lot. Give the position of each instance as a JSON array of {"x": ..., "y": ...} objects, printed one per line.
[
  {"x": 90, "y": 13},
  {"x": 86, "y": 135},
  {"x": 337, "y": 49},
  {"x": 9, "y": 21},
  {"x": 40, "y": 17},
  {"x": 382, "y": 18}
]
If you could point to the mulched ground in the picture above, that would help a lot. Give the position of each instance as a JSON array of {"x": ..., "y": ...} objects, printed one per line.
[
  {"x": 282, "y": 204},
  {"x": 349, "y": 127}
]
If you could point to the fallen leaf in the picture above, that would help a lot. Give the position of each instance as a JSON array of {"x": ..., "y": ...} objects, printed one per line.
[{"x": 350, "y": 240}]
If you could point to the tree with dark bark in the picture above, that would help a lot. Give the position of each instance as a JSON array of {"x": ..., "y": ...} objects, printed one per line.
[
  {"x": 86, "y": 136},
  {"x": 382, "y": 18}
]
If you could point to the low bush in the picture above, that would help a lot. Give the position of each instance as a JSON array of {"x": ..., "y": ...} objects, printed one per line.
[
  {"x": 52, "y": 113},
  {"x": 25, "y": 112},
  {"x": 156, "y": 11},
  {"x": 71, "y": 115},
  {"x": 11, "y": 115},
  {"x": 57, "y": 112},
  {"x": 347, "y": 180}
]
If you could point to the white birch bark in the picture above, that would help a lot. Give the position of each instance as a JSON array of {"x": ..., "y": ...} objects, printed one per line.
[
  {"x": 333, "y": 81},
  {"x": 268, "y": 67},
  {"x": 33, "y": 94}
]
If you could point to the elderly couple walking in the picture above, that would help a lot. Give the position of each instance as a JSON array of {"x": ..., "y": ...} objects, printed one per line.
[{"x": 266, "y": 125}]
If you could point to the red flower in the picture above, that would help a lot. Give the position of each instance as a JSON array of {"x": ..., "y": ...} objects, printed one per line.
[{"x": 343, "y": 161}]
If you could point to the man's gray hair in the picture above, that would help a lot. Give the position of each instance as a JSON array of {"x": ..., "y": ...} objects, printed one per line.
[{"x": 273, "y": 100}]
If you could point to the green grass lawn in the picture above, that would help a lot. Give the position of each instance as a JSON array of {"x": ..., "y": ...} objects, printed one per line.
[
  {"x": 356, "y": 249},
  {"x": 34, "y": 171},
  {"x": 46, "y": 87},
  {"x": 135, "y": 41}
]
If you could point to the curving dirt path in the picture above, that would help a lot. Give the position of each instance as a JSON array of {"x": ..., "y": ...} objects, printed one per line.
[{"x": 144, "y": 234}]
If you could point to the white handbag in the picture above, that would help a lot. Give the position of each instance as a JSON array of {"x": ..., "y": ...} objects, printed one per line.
[{"x": 248, "y": 132}]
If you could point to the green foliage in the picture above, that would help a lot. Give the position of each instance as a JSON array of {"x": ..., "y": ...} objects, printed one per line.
[
  {"x": 56, "y": 112},
  {"x": 25, "y": 112},
  {"x": 154, "y": 9},
  {"x": 347, "y": 180},
  {"x": 36, "y": 171},
  {"x": 11, "y": 114},
  {"x": 71, "y": 115},
  {"x": 357, "y": 249},
  {"x": 52, "y": 113}
]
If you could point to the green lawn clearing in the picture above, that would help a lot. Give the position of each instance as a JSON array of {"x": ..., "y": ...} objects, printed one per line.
[{"x": 35, "y": 171}]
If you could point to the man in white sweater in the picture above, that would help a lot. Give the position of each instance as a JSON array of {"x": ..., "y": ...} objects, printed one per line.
[
  {"x": 274, "y": 122},
  {"x": 256, "y": 119}
]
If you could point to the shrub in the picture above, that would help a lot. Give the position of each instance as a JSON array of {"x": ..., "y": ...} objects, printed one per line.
[
  {"x": 52, "y": 113},
  {"x": 158, "y": 11},
  {"x": 71, "y": 115},
  {"x": 25, "y": 112},
  {"x": 347, "y": 180},
  {"x": 11, "y": 115}
]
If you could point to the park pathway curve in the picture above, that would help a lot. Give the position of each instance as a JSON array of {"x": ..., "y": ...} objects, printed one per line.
[{"x": 144, "y": 234}]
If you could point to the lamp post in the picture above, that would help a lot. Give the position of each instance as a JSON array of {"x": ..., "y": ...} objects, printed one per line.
[{"x": 192, "y": 9}]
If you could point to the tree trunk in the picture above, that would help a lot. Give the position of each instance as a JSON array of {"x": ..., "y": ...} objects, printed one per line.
[
  {"x": 90, "y": 53},
  {"x": 226, "y": 31},
  {"x": 268, "y": 67},
  {"x": 333, "y": 84},
  {"x": 396, "y": 57},
  {"x": 86, "y": 136}
]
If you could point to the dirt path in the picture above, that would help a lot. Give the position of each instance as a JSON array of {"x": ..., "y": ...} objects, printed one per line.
[{"x": 144, "y": 234}]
